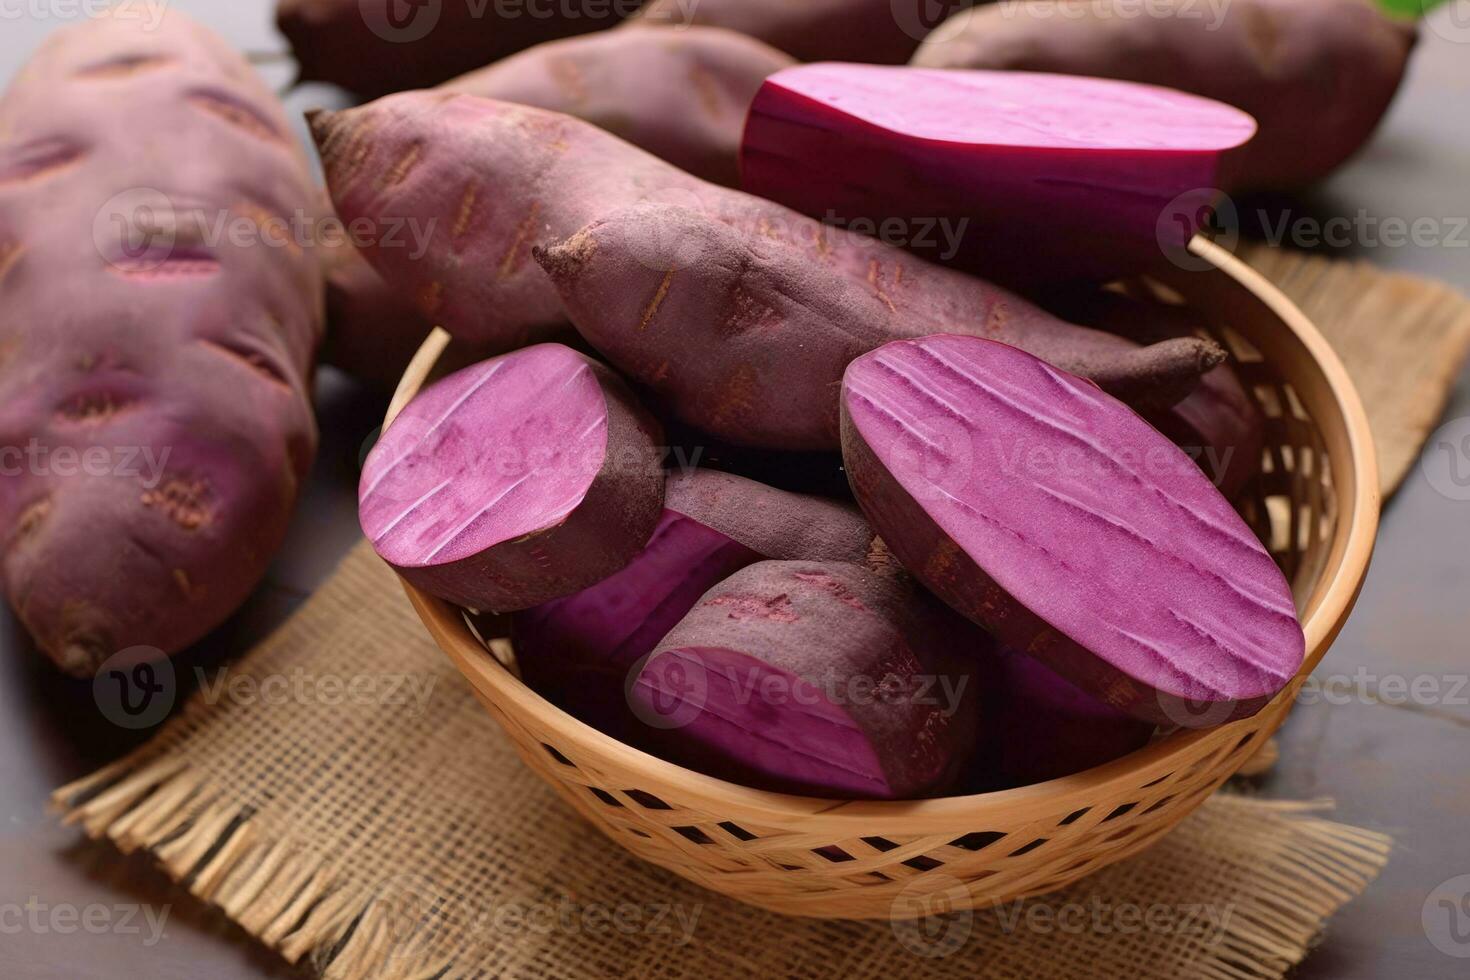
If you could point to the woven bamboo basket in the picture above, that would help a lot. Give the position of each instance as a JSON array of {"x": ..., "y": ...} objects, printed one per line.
[{"x": 1316, "y": 506}]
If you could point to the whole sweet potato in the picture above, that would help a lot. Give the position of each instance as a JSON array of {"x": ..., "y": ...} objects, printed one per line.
[
  {"x": 1052, "y": 515},
  {"x": 377, "y": 46},
  {"x": 579, "y": 651},
  {"x": 154, "y": 368},
  {"x": 820, "y": 678},
  {"x": 747, "y": 338},
  {"x": 494, "y": 181},
  {"x": 1317, "y": 75},
  {"x": 681, "y": 95},
  {"x": 516, "y": 481},
  {"x": 885, "y": 31}
]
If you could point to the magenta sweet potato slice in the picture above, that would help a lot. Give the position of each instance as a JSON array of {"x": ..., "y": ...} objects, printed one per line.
[
  {"x": 1318, "y": 75},
  {"x": 514, "y": 482},
  {"x": 579, "y": 651},
  {"x": 1049, "y": 513},
  {"x": 748, "y": 338},
  {"x": 825, "y": 679},
  {"x": 154, "y": 375},
  {"x": 1035, "y": 177}
]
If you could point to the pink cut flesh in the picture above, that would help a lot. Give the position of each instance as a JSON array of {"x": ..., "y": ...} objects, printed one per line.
[
  {"x": 580, "y": 651},
  {"x": 488, "y": 481},
  {"x": 1050, "y": 513},
  {"x": 1043, "y": 178},
  {"x": 821, "y": 678}
]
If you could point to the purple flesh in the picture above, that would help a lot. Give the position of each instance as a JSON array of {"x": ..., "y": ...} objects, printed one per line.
[
  {"x": 578, "y": 652},
  {"x": 514, "y": 482},
  {"x": 824, "y": 679},
  {"x": 1054, "y": 177},
  {"x": 1051, "y": 514}
]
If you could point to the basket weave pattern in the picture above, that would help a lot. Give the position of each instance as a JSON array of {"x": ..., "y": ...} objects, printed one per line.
[{"x": 1316, "y": 507}]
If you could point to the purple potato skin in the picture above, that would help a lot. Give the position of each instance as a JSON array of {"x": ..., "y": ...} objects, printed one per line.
[
  {"x": 1126, "y": 545},
  {"x": 747, "y": 338},
  {"x": 578, "y": 651},
  {"x": 495, "y": 181},
  {"x": 368, "y": 47},
  {"x": 880, "y": 31},
  {"x": 817, "y": 678},
  {"x": 681, "y": 95},
  {"x": 616, "y": 509},
  {"x": 1318, "y": 75},
  {"x": 184, "y": 360}
]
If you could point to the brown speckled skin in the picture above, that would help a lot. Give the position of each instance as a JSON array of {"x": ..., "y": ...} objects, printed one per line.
[
  {"x": 747, "y": 339},
  {"x": 879, "y": 31},
  {"x": 681, "y": 95},
  {"x": 334, "y": 42},
  {"x": 1318, "y": 75},
  {"x": 206, "y": 358}
]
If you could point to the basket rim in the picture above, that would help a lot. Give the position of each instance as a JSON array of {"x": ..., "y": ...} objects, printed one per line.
[{"x": 1357, "y": 489}]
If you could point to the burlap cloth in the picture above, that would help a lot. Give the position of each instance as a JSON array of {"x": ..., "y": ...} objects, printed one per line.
[{"x": 346, "y": 800}]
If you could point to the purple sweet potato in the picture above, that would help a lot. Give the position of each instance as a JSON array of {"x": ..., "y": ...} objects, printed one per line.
[
  {"x": 747, "y": 338},
  {"x": 494, "y": 181},
  {"x": 886, "y": 31},
  {"x": 820, "y": 678},
  {"x": 579, "y": 651},
  {"x": 1219, "y": 424},
  {"x": 514, "y": 482},
  {"x": 1036, "y": 177},
  {"x": 1043, "y": 727},
  {"x": 1050, "y": 513},
  {"x": 157, "y": 374},
  {"x": 681, "y": 95},
  {"x": 373, "y": 47},
  {"x": 1317, "y": 75}
]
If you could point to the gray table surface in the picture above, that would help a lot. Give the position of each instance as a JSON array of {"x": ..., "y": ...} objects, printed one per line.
[{"x": 1395, "y": 767}]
